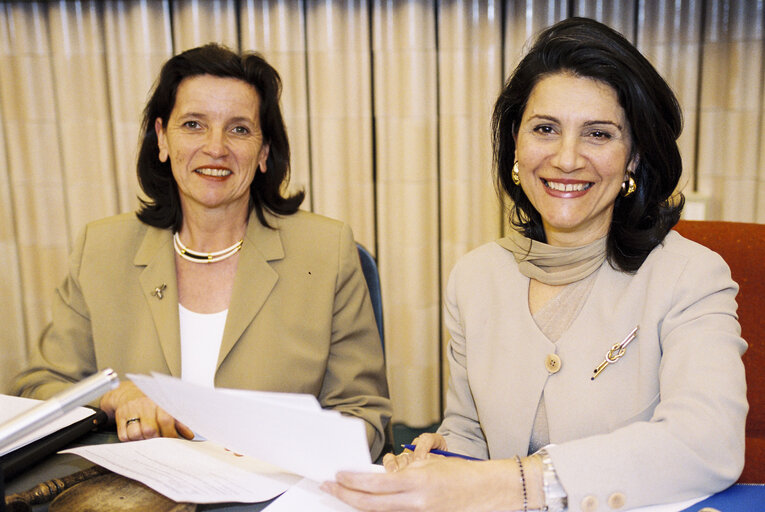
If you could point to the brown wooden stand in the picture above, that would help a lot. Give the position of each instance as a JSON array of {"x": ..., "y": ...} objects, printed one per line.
[{"x": 114, "y": 493}]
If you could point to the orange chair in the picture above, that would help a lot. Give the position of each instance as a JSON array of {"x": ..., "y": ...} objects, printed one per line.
[{"x": 742, "y": 246}]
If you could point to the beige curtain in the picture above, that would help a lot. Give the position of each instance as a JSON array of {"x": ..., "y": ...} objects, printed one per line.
[
  {"x": 387, "y": 105},
  {"x": 730, "y": 169}
]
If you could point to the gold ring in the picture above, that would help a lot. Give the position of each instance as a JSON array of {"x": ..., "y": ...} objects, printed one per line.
[{"x": 131, "y": 420}]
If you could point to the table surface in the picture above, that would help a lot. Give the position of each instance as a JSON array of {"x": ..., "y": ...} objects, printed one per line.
[{"x": 60, "y": 465}]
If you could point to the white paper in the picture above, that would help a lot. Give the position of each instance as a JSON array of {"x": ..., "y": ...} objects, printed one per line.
[
  {"x": 278, "y": 429},
  {"x": 12, "y": 406},
  {"x": 306, "y": 495},
  {"x": 191, "y": 471}
]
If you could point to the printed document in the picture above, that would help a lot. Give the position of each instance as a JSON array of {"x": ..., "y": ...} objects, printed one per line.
[
  {"x": 258, "y": 445},
  {"x": 191, "y": 471},
  {"x": 276, "y": 428}
]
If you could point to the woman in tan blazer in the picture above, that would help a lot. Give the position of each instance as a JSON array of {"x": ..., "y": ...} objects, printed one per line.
[
  {"x": 219, "y": 279},
  {"x": 595, "y": 354}
]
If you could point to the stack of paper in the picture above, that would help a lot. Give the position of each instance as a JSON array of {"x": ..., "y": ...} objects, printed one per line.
[
  {"x": 282, "y": 435},
  {"x": 286, "y": 430},
  {"x": 191, "y": 471}
]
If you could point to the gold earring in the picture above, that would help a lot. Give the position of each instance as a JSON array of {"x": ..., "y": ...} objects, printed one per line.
[
  {"x": 516, "y": 174},
  {"x": 628, "y": 186}
]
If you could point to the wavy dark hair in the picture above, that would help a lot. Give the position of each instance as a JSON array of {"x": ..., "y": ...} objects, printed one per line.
[
  {"x": 587, "y": 48},
  {"x": 163, "y": 208}
]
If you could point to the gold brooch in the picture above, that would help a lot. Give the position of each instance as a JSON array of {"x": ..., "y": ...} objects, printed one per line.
[
  {"x": 159, "y": 291},
  {"x": 617, "y": 351}
]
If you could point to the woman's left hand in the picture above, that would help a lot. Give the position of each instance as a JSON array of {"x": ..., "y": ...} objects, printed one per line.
[{"x": 434, "y": 484}]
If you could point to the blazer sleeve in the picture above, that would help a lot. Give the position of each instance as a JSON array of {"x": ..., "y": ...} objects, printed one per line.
[
  {"x": 694, "y": 442},
  {"x": 461, "y": 427},
  {"x": 355, "y": 381},
  {"x": 64, "y": 353}
]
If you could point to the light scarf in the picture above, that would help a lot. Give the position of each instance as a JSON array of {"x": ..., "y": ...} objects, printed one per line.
[{"x": 551, "y": 264}]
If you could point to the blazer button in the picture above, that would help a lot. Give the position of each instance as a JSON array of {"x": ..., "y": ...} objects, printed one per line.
[
  {"x": 552, "y": 363},
  {"x": 589, "y": 504},
  {"x": 617, "y": 500}
]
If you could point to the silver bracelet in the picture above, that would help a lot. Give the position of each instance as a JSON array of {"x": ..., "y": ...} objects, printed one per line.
[{"x": 556, "y": 499}]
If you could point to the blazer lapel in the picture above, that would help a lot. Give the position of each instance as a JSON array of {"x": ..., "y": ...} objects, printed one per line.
[
  {"x": 160, "y": 289},
  {"x": 254, "y": 280}
]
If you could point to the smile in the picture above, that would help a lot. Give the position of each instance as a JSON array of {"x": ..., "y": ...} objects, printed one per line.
[
  {"x": 218, "y": 173},
  {"x": 567, "y": 187}
]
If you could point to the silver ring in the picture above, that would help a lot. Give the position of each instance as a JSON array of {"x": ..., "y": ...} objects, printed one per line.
[{"x": 131, "y": 420}]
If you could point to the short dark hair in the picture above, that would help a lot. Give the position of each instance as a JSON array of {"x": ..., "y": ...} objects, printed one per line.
[
  {"x": 587, "y": 48},
  {"x": 163, "y": 207}
]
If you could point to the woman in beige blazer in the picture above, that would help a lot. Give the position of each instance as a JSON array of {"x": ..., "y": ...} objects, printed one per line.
[
  {"x": 595, "y": 354},
  {"x": 219, "y": 279}
]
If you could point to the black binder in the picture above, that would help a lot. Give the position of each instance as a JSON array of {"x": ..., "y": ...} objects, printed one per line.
[{"x": 21, "y": 458}]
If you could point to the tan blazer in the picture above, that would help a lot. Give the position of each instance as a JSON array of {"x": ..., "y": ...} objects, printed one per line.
[
  {"x": 664, "y": 423},
  {"x": 300, "y": 318}
]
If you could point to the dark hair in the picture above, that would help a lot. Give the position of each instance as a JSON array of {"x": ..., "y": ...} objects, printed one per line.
[
  {"x": 163, "y": 208},
  {"x": 587, "y": 48}
]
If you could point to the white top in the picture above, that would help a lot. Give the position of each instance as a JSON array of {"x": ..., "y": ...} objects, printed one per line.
[{"x": 201, "y": 336}]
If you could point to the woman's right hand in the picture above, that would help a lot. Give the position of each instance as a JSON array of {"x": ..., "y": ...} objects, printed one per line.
[
  {"x": 422, "y": 446},
  {"x": 138, "y": 417}
]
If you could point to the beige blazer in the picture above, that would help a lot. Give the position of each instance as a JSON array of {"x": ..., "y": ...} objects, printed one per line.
[
  {"x": 300, "y": 318},
  {"x": 664, "y": 423}
]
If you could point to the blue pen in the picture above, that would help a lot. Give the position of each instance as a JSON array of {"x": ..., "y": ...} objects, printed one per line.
[{"x": 442, "y": 452}]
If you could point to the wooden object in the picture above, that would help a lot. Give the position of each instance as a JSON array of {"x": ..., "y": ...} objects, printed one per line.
[
  {"x": 115, "y": 493},
  {"x": 46, "y": 491}
]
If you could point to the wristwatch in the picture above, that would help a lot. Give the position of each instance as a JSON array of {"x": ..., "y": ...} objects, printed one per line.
[{"x": 556, "y": 499}]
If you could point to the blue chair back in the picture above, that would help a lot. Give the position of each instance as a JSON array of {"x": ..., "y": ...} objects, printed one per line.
[{"x": 372, "y": 276}]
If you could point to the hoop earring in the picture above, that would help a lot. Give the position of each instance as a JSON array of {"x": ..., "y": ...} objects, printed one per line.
[
  {"x": 628, "y": 186},
  {"x": 516, "y": 174}
]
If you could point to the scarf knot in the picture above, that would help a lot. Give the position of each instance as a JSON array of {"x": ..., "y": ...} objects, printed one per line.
[{"x": 551, "y": 264}]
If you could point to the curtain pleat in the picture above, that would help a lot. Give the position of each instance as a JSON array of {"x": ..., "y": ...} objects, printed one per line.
[
  {"x": 730, "y": 109},
  {"x": 388, "y": 106},
  {"x": 340, "y": 114},
  {"x": 34, "y": 163},
  {"x": 617, "y": 14},
  {"x": 196, "y": 22},
  {"x": 82, "y": 109},
  {"x": 137, "y": 40},
  {"x": 12, "y": 335},
  {"x": 405, "y": 85}
]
